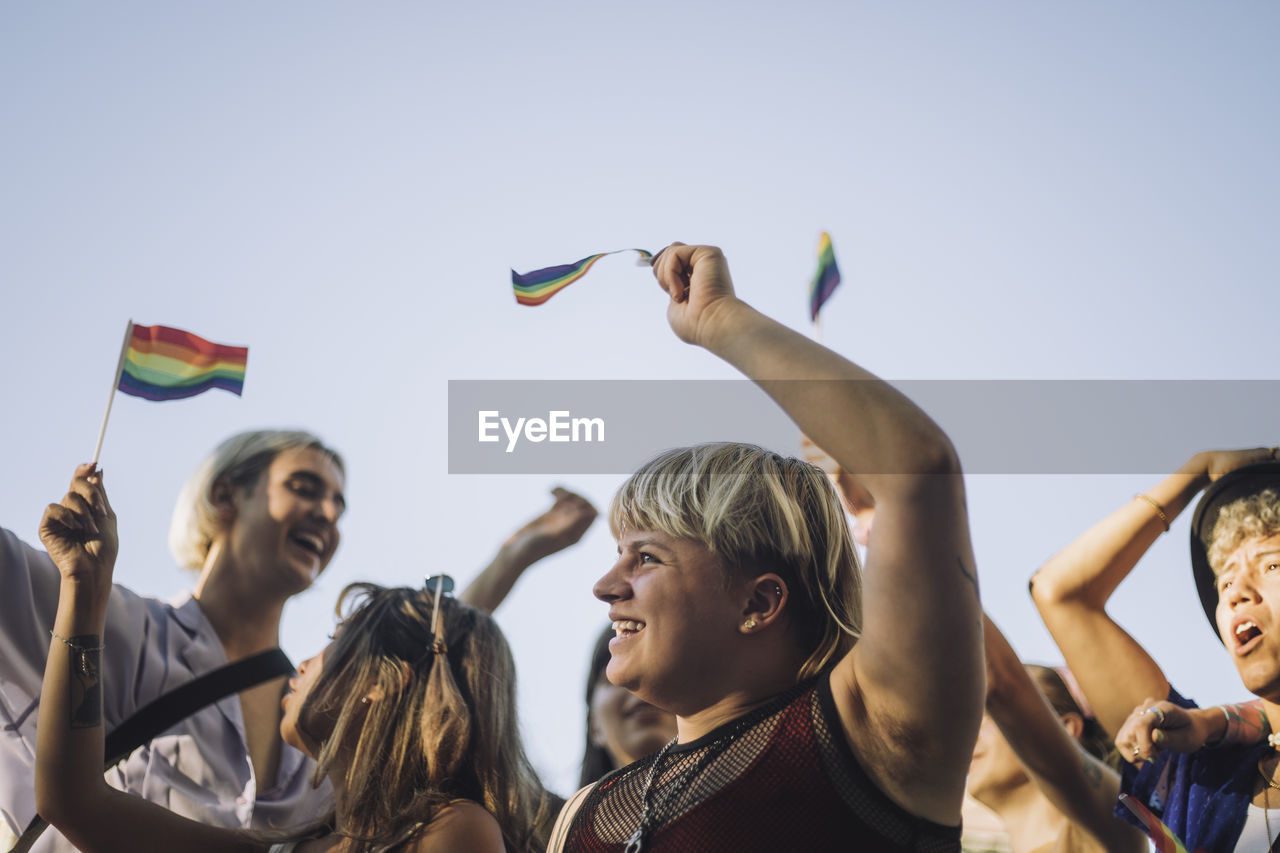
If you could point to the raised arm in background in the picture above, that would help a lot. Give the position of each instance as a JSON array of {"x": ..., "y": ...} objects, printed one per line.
[
  {"x": 554, "y": 530},
  {"x": 1077, "y": 785},
  {"x": 1071, "y": 590}
]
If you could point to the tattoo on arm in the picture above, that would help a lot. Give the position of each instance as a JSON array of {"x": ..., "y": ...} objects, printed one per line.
[
  {"x": 970, "y": 576},
  {"x": 86, "y": 681},
  {"x": 1246, "y": 724}
]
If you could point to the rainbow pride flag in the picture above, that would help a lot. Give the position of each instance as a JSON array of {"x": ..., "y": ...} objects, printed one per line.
[
  {"x": 161, "y": 363},
  {"x": 1162, "y": 836},
  {"x": 535, "y": 288},
  {"x": 825, "y": 279}
]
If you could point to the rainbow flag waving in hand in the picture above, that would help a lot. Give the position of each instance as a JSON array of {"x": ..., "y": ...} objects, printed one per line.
[
  {"x": 163, "y": 363},
  {"x": 825, "y": 279},
  {"x": 535, "y": 288}
]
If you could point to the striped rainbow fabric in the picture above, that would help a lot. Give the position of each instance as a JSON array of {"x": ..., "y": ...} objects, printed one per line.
[
  {"x": 1161, "y": 836},
  {"x": 535, "y": 288},
  {"x": 162, "y": 363},
  {"x": 825, "y": 279}
]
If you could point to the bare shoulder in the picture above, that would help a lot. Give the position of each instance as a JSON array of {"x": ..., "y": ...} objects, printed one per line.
[
  {"x": 561, "y": 831},
  {"x": 461, "y": 825}
]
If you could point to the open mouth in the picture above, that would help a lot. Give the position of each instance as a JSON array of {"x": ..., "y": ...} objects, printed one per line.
[
  {"x": 1247, "y": 635},
  {"x": 312, "y": 543}
]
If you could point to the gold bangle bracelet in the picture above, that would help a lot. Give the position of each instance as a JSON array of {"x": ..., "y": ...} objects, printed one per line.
[{"x": 1155, "y": 504}]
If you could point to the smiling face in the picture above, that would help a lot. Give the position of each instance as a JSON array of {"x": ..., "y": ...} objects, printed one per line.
[
  {"x": 284, "y": 527},
  {"x": 1248, "y": 613},
  {"x": 676, "y": 620}
]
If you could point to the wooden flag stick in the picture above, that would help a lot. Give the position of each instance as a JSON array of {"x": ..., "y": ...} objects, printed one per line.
[{"x": 115, "y": 383}]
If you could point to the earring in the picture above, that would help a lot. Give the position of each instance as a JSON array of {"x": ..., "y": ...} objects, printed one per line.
[
  {"x": 364, "y": 700},
  {"x": 750, "y": 624}
]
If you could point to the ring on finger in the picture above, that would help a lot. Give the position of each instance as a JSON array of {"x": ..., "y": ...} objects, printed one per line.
[
  {"x": 1135, "y": 752},
  {"x": 1159, "y": 714}
]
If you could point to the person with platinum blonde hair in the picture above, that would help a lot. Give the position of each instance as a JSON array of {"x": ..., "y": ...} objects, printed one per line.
[
  {"x": 259, "y": 522},
  {"x": 816, "y": 707},
  {"x": 238, "y": 460}
]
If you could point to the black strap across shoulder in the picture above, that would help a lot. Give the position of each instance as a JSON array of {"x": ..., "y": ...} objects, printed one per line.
[{"x": 175, "y": 706}]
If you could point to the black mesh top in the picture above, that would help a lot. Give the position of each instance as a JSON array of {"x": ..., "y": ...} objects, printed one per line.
[{"x": 779, "y": 778}]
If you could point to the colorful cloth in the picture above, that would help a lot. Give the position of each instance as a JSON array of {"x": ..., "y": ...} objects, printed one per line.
[
  {"x": 535, "y": 288},
  {"x": 826, "y": 279},
  {"x": 162, "y": 363}
]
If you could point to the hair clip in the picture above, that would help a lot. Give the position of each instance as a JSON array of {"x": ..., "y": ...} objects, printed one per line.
[{"x": 443, "y": 586}]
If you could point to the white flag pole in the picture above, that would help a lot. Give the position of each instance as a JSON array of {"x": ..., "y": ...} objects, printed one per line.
[{"x": 115, "y": 383}]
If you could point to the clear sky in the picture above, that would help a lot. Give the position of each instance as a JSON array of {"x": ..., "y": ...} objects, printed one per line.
[{"x": 1015, "y": 191}]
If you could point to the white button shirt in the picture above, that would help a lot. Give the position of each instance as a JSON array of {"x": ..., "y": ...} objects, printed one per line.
[{"x": 200, "y": 768}]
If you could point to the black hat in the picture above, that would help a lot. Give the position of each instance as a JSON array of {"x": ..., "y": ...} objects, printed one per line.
[{"x": 1240, "y": 483}]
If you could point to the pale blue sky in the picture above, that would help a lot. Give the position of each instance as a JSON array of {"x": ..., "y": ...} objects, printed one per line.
[{"x": 1015, "y": 190}]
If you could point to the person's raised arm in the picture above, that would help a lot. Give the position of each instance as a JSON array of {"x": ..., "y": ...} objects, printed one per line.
[
  {"x": 1078, "y": 784},
  {"x": 1071, "y": 590},
  {"x": 910, "y": 693},
  {"x": 554, "y": 530},
  {"x": 71, "y": 794}
]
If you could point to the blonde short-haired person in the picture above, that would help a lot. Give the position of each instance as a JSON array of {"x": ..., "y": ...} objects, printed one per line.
[
  {"x": 409, "y": 712},
  {"x": 816, "y": 708},
  {"x": 259, "y": 521}
]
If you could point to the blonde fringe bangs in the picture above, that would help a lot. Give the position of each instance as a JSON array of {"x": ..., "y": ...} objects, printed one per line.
[{"x": 751, "y": 507}]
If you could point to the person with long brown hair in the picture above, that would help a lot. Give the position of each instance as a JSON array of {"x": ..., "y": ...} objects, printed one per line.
[{"x": 409, "y": 714}]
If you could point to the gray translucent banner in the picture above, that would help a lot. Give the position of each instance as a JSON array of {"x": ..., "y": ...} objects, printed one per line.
[{"x": 998, "y": 426}]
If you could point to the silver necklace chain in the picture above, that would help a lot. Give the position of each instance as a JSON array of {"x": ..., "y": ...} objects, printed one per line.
[{"x": 635, "y": 843}]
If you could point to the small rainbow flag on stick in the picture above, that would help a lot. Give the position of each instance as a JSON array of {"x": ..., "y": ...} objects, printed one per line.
[
  {"x": 535, "y": 288},
  {"x": 163, "y": 363},
  {"x": 1161, "y": 835},
  {"x": 825, "y": 279}
]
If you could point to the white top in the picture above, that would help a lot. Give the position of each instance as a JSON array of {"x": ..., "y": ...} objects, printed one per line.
[
  {"x": 1253, "y": 838},
  {"x": 199, "y": 768}
]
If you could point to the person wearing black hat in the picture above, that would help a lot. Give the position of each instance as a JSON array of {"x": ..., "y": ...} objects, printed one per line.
[{"x": 1216, "y": 799}]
